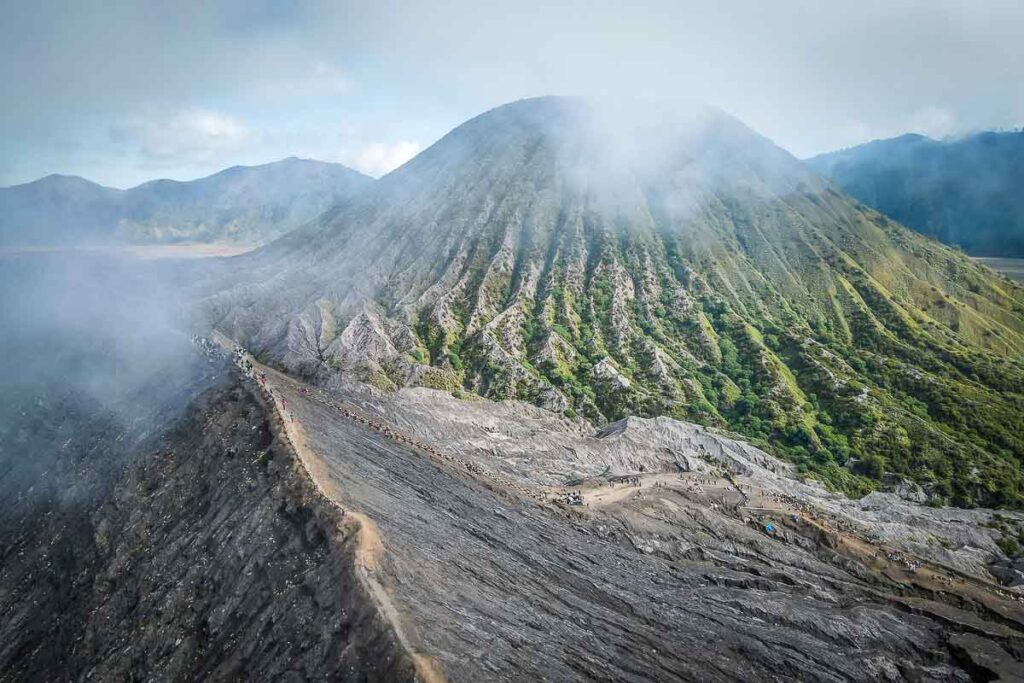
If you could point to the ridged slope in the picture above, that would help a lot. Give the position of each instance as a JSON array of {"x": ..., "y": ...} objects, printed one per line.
[{"x": 643, "y": 259}]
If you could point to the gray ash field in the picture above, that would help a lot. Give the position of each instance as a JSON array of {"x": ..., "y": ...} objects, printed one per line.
[
  {"x": 1012, "y": 268},
  {"x": 340, "y": 532},
  {"x": 661, "y": 584}
]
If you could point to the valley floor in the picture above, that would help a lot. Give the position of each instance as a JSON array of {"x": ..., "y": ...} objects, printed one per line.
[
  {"x": 139, "y": 251},
  {"x": 1012, "y": 268}
]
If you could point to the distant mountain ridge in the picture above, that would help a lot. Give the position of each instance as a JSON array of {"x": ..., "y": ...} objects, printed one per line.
[
  {"x": 967, "y": 192},
  {"x": 241, "y": 204}
]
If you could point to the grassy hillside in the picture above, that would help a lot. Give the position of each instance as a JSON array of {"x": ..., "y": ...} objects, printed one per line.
[{"x": 884, "y": 354}]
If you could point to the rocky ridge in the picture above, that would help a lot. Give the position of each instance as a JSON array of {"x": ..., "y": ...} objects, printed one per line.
[{"x": 246, "y": 205}]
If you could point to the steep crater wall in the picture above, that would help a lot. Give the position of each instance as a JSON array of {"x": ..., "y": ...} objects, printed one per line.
[{"x": 205, "y": 555}]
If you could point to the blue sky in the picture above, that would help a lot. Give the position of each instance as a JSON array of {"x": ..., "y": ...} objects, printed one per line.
[{"x": 123, "y": 92}]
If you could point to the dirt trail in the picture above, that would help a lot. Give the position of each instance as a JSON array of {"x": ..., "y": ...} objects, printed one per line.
[
  {"x": 370, "y": 548},
  {"x": 603, "y": 495}
]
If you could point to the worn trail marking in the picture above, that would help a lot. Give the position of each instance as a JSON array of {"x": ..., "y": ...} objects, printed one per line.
[{"x": 369, "y": 548}]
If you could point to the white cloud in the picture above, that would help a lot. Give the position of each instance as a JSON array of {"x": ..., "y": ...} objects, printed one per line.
[
  {"x": 314, "y": 79},
  {"x": 328, "y": 80},
  {"x": 186, "y": 136},
  {"x": 933, "y": 121},
  {"x": 378, "y": 158}
]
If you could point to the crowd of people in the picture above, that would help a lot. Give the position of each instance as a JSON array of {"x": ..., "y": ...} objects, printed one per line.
[
  {"x": 574, "y": 498},
  {"x": 208, "y": 348},
  {"x": 695, "y": 486},
  {"x": 908, "y": 563},
  {"x": 242, "y": 360}
]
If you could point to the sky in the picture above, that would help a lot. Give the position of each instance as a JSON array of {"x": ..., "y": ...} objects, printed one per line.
[{"x": 124, "y": 92}]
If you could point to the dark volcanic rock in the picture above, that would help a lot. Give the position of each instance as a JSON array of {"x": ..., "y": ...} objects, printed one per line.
[
  {"x": 203, "y": 554},
  {"x": 1010, "y": 572}
]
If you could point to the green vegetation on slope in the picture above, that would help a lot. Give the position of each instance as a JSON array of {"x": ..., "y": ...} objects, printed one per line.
[
  {"x": 850, "y": 360},
  {"x": 677, "y": 265}
]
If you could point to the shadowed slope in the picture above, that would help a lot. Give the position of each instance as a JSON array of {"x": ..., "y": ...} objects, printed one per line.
[{"x": 965, "y": 192}]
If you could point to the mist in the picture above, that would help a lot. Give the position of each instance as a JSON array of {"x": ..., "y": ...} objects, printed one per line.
[
  {"x": 92, "y": 321},
  {"x": 97, "y": 359},
  {"x": 693, "y": 147}
]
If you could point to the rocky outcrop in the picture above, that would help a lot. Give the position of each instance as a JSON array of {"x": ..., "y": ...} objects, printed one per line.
[
  {"x": 605, "y": 371},
  {"x": 905, "y": 489}
]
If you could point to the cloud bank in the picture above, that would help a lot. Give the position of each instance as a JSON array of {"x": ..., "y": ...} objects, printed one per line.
[
  {"x": 377, "y": 158},
  {"x": 189, "y": 136},
  {"x": 298, "y": 77}
]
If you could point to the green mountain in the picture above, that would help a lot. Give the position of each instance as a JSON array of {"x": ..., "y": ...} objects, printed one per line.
[
  {"x": 242, "y": 204},
  {"x": 610, "y": 259},
  {"x": 965, "y": 192}
]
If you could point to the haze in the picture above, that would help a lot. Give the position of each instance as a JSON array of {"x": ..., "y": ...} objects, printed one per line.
[{"x": 122, "y": 93}]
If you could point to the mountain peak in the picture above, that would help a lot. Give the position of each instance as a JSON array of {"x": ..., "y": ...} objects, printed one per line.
[
  {"x": 614, "y": 143},
  {"x": 60, "y": 181},
  {"x": 910, "y": 138},
  {"x": 628, "y": 258}
]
